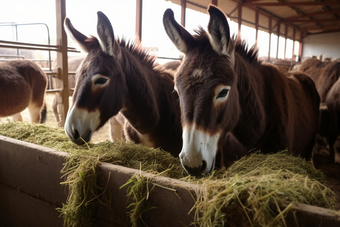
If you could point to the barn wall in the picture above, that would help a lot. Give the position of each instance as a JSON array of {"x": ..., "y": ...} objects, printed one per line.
[{"x": 327, "y": 45}]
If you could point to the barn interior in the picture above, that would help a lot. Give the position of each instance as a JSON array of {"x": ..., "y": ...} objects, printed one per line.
[{"x": 313, "y": 24}]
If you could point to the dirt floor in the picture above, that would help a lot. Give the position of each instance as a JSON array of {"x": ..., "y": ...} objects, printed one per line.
[{"x": 321, "y": 150}]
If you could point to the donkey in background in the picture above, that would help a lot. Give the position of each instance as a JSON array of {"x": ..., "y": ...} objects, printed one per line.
[
  {"x": 326, "y": 77},
  {"x": 22, "y": 85}
]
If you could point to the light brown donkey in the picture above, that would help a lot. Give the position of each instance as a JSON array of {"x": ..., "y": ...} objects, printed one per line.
[{"x": 22, "y": 85}]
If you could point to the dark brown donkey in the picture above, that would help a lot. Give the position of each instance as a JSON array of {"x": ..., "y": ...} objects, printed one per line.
[
  {"x": 232, "y": 103},
  {"x": 120, "y": 78},
  {"x": 332, "y": 79},
  {"x": 22, "y": 85},
  {"x": 326, "y": 78},
  {"x": 322, "y": 74}
]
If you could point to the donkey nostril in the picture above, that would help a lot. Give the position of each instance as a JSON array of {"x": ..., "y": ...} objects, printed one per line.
[
  {"x": 76, "y": 134},
  {"x": 204, "y": 166}
]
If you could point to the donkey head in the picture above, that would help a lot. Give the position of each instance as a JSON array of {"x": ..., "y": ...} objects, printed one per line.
[
  {"x": 100, "y": 82},
  {"x": 206, "y": 85}
]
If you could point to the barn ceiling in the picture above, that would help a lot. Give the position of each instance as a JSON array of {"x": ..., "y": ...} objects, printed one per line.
[{"x": 307, "y": 17}]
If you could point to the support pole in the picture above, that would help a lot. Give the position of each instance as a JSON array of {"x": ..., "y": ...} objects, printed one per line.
[
  {"x": 62, "y": 59},
  {"x": 278, "y": 39},
  {"x": 270, "y": 36},
  {"x": 300, "y": 46},
  {"x": 286, "y": 33},
  {"x": 239, "y": 17},
  {"x": 139, "y": 14},
  {"x": 293, "y": 57},
  {"x": 256, "y": 25},
  {"x": 183, "y": 8}
]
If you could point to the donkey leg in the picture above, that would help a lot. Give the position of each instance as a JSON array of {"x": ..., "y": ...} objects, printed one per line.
[
  {"x": 17, "y": 117},
  {"x": 332, "y": 146},
  {"x": 34, "y": 111},
  {"x": 116, "y": 130},
  {"x": 55, "y": 108},
  {"x": 337, "y": 150}
]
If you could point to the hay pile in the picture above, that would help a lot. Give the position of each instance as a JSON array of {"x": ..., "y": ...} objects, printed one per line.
[
  {"x": 80, "y": 169},
  {"x": 252, "y": 192},
  {"x": 256, "y": 190}
]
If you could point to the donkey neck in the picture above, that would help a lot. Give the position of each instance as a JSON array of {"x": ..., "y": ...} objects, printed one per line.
[
  {"x": 142, "y": 104},
  {"x": 252, "y": 122}
]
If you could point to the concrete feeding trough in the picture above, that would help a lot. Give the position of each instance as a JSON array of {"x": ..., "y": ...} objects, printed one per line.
[{"x": 31, "y": 190}]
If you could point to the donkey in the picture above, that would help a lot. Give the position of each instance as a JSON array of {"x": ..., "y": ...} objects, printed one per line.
[
  {"x": 323, "y": 74},
  {"x": 332, "y": 73},
  {"x": 120, "y": 78},
  {"x": 232, "y": 103},
  {"x": 326, "y": 77},
  {"x": 22, "y": 85}
]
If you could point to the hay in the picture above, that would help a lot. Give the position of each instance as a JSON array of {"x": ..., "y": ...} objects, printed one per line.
[
  {"x": 256, "y": 190},
  {"x": 83, "y": 198},
  {"x": 80, "y": 167},
  {"x": 252, "y": 192},
  {"x": 139, "y": 190}
]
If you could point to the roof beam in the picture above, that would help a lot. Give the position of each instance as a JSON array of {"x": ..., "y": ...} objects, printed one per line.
[
  {"x": 296, "y": 10},
  {"x": 265, "y": 12},
  {"x": 261, "y": 4},
  {"x": 310, "y": 20},
  {"x": 325, "y": 32},
  {"x": 319, "y": 13},
  {"x": 332, "y": 27}
]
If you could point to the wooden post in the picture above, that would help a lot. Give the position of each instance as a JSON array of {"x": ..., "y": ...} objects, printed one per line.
[
  {"x": 239, "y": 17},
  {"x": 300, "y": 46},
  {"x": 256, "y": 25},
  {"x": 139, "y": 8},
  {"x": 293, "y": 44},
  {"x": 286, "y": 33},
  {"x": 183, "y": 8},
  {"x": 62, "y": 59},
  {"x": 278, "y": 39},
  {"x": 270, "y": 36}
]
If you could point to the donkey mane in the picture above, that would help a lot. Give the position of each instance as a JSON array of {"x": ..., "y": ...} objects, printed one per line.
[
  {"x": 241, "y": 47},
  {"x": 138, "y": 51},
  {"x": 249, "y": 54},
  {"x": 135, "y": 49}
]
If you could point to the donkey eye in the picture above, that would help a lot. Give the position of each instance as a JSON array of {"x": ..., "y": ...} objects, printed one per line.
[
  {"x": 222, "y": 93},
  {"x": 100, "y": 81}
]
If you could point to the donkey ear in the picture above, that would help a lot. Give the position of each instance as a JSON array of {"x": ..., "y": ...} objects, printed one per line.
[
  {"x": 77, "y": 37},
  {"x": 178, "y": 35},
  {"x": 219, "y": 32},
  {"x": 106, "y": 37}
]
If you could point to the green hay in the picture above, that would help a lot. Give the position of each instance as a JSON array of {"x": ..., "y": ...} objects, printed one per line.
[
  {"x": 256, "y": 190},
  {"x": 139, "y": 190},
  {"x": 252, "y": 192},
  {"x": 83, "y": 196},
  {"x": 129, "y": 154}
]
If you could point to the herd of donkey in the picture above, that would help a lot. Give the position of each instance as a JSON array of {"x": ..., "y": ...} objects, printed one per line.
[{"x": 211, "y": 108}]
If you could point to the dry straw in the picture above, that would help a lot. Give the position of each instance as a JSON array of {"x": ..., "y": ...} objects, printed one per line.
[{"x": 253, "y": 192}]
